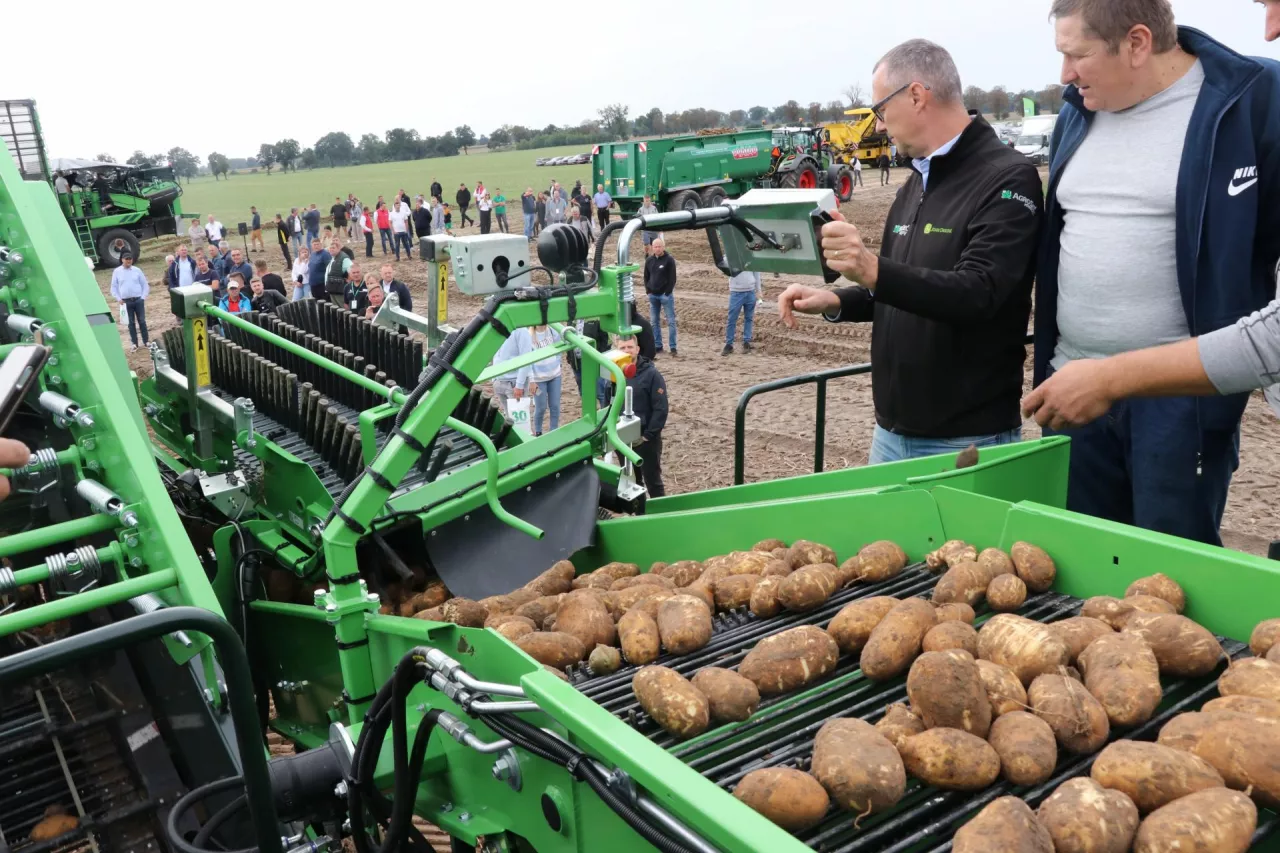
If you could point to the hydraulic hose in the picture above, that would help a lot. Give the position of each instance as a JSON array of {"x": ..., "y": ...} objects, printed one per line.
[
  {"x": 194, "y": 796},
  {"x": 219, "y": 817},
  {"x": 598, "y": 259}
]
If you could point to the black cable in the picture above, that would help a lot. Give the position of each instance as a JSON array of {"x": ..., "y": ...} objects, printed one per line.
[
  {"x": 616, "y": 225},
  {"x": 219, "y": 817},
  {"x": 195, "y": 795}
]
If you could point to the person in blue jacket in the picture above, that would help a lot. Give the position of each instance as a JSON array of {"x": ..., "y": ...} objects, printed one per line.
[{"x": 1162, "y": 222}]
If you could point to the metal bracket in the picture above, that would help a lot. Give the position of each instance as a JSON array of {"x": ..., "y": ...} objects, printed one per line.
[{"x": 228, "y": 492}]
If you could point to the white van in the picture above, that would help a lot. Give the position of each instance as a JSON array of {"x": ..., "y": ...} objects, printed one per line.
[{"x": 1034, "y": 138}]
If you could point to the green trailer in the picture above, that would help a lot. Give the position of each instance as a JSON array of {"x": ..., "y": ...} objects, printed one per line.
[{"x": 688, "y": 172}]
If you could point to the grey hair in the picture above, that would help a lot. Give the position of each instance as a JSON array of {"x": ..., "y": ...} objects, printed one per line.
[{"x": 922, "y": 61}]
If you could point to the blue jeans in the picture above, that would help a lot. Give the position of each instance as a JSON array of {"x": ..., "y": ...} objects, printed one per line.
[
  {"x": 656, "y": 304},
  {"x": 296, "y": 239},
  {"x": 548, "y": 396},
  {"x": 1150, "y": 464},
  {"x": 745, "y": 301},
  {"x": 386, "y": 238},
  {"x": 528, "y": 225},
  {"x": 890, "y": 447},
  {"x": 313, "y": 235},
  {"x": 402, "y": 237}
]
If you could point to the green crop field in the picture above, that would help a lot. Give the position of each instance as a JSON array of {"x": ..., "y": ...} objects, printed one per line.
[{"x": 229, "y": 199}]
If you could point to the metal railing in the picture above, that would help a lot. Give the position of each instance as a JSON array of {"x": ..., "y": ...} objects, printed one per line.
[{"x": 820, "y": 379}]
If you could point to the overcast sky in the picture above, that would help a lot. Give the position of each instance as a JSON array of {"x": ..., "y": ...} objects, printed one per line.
[{"x": 162, "y": 74}]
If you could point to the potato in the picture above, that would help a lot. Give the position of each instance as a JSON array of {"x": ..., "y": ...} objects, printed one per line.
[
  {"x": 1152, "y": 774},
  {"x": 735, "y": 591},
  {"x": 1149, "y": 604},
  {"x": 431, "y": 614},
  {"x": 1027, "y": 648},
  {"x": 858, "y": 766},
  {"x": 512, "y": 627},
  {"x": 1265, "y": 709},
  {"x": 1006, "y": 593},
  {"x": 701, "y": 590},
  {"x": 1033, "y": 565},
  {"x": 639, "y": 635},
  {"x": 1107, "y": 608},
  {"x": 682, "y": 572},
  {"x": 1183, "y": 648},
  {"x": 731, "y": 697},
  {"x": 1077, "y": 633},
  {"x": 619, "y": 601},
  {"x": 650, "y": 603},
  {"x": 946, "y": 690},
  {"x": 618, "y": 570},
  {"x": 1121, "y": 672},
  {"x": 996, "y": 562},
  {"x": 951, "y": 759},
  {"x": 808, "y": 588},
  {"x": 764, "y": 597},
  {"x": 556, "y": 672},
  {"x": 957, "y": 612},
  {"x": 1078, "y": 720},
  {"x": 604, "y": 660},
  {"x": 852, "y": 626},
  {"x": 1004, "y": 691},
  {"x": 898, "y": 723},
  {"x": 964, "y": 582},
  {"x": 951, "y": 635},
  {"x": 849, "y": 571},
  {"x": 673, "y": 703},
  {"x": 595, "y": 580},
  {"x": 1026, "y": 746},
  {"x": 747, "y": 563},
  {"x": 656, "y": 567},
  {"x": 1007, "y": 825},
  {"x": 1211, "y": 821},
  {"x": 880, "y": 561},
  {"x": 895, "y": 642},
  {"x": 1273, "y": 654},
  {"x": 789, "y": 660},
  {"x": 433, "y": 595},
  {"x": 791, "y": 798},
  {"x": 805, "y": 553},
  {"x": 783, "y": 554},
  {"x": 1245, "y": 750},
  {"x": 1264, "y": 636},
  {"x": 1185, "y": 730},
  {"x": 464, "y": 612},
  {"x": 585, "y": 616},
  {"x": 684, "y": 623},
  {"x": 1084, "y": 817},
  {"x": 1251, "y": 677},
  {"x": 540, "y": 608},
  {"x": 647, "y": 579},
  {"x": 1160, "y": 586},
  {"x": 555, "y": 580},
  {"x": 553, "y": 649},
  {"x": 768, "y": 545},
  {"x": 776, "y": 568},
  {"x": 953, "y": 551},
  {"x": 496, "y": 620}
]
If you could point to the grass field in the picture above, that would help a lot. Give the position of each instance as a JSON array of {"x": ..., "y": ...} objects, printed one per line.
[{"x": 229, "y": 199}]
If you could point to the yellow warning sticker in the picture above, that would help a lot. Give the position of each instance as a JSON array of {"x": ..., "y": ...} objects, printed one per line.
[
  {"x": 201, "y": 342},
  {"x": 442, "y": 294}
]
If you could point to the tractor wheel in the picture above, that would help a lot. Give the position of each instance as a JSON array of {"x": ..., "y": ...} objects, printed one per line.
[
  {"x": 843, "y": 184},
  {"x": 683, "y": 200},
  {"x": 804, "y": 177},
  {"x": 112, "y": 244},
  {"x": 713, "y": 196}
]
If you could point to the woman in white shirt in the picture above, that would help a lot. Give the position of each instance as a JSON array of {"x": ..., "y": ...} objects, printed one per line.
[
  {"x": 545, "y": 375},
  {"x": 301, "y": 275}
]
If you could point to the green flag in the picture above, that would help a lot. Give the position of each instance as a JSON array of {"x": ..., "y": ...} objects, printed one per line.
[{"x": 1029, "y": 107}]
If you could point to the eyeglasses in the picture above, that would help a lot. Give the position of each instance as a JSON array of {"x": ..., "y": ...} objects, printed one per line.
[{"x": 877, "y": 109}]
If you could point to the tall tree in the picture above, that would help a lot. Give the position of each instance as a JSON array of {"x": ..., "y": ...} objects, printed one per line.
[
  {"x": 137, "y": 158},
  {"x": 185, "y": 164},
  {"x": 737, "y": 117},
  {"x": 105, "y": 158},
  {"x": 446, "y": 145},
  {"x": 403, "y": 144},
  {"x": 219, "y": 165},
  {"x": 267, "y": 156},
  {"x": 466, "y": 137},
  {"x": 856, "y": 94},
  {"x": 371, "y": 149},
  {"x": 500, "y": 138},
  {"x": 998, "y": 103},
  {"x": 975, "y": 98},
  {"x": 286, "y": 153},
  {"x": 613, "y": 119},
  {"x": 335, "y": 149},
  {"x": 1050, "y": 98},
  {"x": 755, "y": 115},
  {"x": 308, "y": 158},
  {"x": 657, "y": 123},
  {"x": 814, "y": 112},
  {"x": 835, "y": 111},
  {"x": 791, "y": 111}
]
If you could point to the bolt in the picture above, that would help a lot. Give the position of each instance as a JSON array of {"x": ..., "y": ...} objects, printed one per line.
[
  {"x": 129, "y": 518},
  {"x": 24, "y": 305},
  {"x": 151, "y": 410},
  {"x": 422, "y": 708},
  {"x": 56, "y": 379},
  {"x": 330, "y": 608},
  {"x": 372, "y": 598},
  {"x": 208, "y": 695},
  {"x": 94, "y": 465},
  {"x": 20, "y": 284},
  {"x": 446, "y": 807},
  {"x": 340, "y": 790},
  {"x": 49, "y": 334},
  {"x": 136, "y": 562},
  {"x": 52, "y": 361},
  {"x": 464, "y": 816},
  {"x": 85, "y": 419},
  {"x": 131, "y": 540},
  {"x": 88, "y": 442}
]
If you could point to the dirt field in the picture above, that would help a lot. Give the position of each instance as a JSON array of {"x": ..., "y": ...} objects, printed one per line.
[{"x": 704, "y": 387}]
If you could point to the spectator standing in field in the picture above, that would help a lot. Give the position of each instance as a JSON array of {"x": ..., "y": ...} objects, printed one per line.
[
  {"x": 296, "y": 229},
  {"x": 585, "y": 206},
  {"x": 265, "y": 299},
  {"x": 529, "y": 210},
  {"x": 383, "y": 217},
  {"x": 884, "y": 170},
  {"x": 437, "y": 216},
  {"x": 500, "y": 210},
  {"x": 391, "y": 284},
  {"x": 357, "y": 213},
  {"x": 557, "y": 208},
  {"x": 448, "y": 220},
  {"x": 484, "y": 204},
  {"x": 316, "y": 267},
  {"x": 648, "y": 208},
  {"x": 463, "y": 198},
  {"x": 269, "y": 280},
  {"x": 337, "y": 272},
  {"x": 255, "y": 229},
  {"x": 545, "y": 375},
  {"x": 240, "y": 265},
  {"x": 356, "y": 289},
  {"x": 214, "y": 231},
  {"x": 339, "y": 212},
  {"x": 400, "y": 218},
  {"x": 505, "y": 388},
  {"x": 421, "y": 218},
  {"x": 373, "y": 298},
  {"x": 540, "y": 214},
  {"x": 196, "y": 235},
  {"x": 183, "y": 269},
  {"x": 857, "y": 172},
  {"x": 660, "y": 284},
  {"x": 577, "y": 221},
  {"x": 205, "y": 275},
  {"x": 233, "y": 301},
  {"x": 366, "y": 231},
  {"x": 282, "y": 235},
  {"x": 312, "y": 220},
  {"x": 300, "y": 275},
  {"x": 61, "y": 184},
  {"x": 649, "y": 402},
  {"x": 129, "y": 288},
  {"x": 745, "y": 289},
  {"x": 437, "y": 191},
  {"x": 603, "y": 201},
  {"x": 218, "y": 259}
]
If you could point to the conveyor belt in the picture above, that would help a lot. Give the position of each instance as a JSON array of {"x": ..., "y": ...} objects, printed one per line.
[{"x": 781, "y": 733}]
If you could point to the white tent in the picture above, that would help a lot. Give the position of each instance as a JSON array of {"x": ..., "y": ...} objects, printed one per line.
[{"x": 71, "y": 164}]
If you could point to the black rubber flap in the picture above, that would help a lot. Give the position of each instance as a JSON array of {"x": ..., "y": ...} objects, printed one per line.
[{"x": 481, "y": 556}]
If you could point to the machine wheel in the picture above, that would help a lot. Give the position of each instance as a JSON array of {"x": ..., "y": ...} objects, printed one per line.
[
  {"x": 713, "y": 196},
  {"x": 115, "y": 242},
  {"x": 684, "y": 200},
  {"x": 804, "y": 177},
  {"x": 843, "y": 184}
]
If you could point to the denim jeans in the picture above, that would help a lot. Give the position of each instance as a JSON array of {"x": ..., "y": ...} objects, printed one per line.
[
  {"x": 890, "y": 447},
  {"x": 656, "y": 304},
  {"x": 502, "y": 223},
  {"x": 502, "y": 392},
  {"x": 137, "y": 319},
  {"x": 744, "y": 301},
  {"x": 402, "y": 237},
  {"x": 528, "y": 225},
  {"x": 296, "y": 238},
  {"x": 313, "y": 235},
  {"x": 548, "y": 397},
  {"x": 386, "y": 238}
]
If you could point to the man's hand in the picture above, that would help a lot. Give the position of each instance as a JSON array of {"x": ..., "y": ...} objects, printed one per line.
[
  {"x": 806, "y": 300},
  {"x": 1078, "y": 393},
  {"x": 13, "y": 454},
  {"x": 517, "y": 393},
  {"x": 845, "y": 253}
]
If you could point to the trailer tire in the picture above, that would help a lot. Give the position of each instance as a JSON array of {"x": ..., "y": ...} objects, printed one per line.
[
  {"x": 713, "y": 196},
  {"x": 113, "y": 243},
  {"x": 684, "y": 200},
  {"x": 842, "y": 184}
]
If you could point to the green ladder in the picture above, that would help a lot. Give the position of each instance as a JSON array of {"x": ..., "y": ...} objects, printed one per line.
[{"x": 84, "y": 236}]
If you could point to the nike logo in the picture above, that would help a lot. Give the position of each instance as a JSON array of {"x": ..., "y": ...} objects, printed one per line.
[
  {"x": 1234, "y": 189},
  {"x": 1250, "y": 172}
]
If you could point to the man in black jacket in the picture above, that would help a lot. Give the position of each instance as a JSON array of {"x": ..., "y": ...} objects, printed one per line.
[
  {"x": 649, "y": 403},
  {"x": 421, "y": 219},
  {"x": 437, "y": 191},
  {"x": 660, "y": 284},
  {"x": 950, "y": 295},
  {"x": 464, "y": 201}
]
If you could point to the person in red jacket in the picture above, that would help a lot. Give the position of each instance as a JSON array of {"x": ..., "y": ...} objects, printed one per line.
[{"x": 383, "y": 221}]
